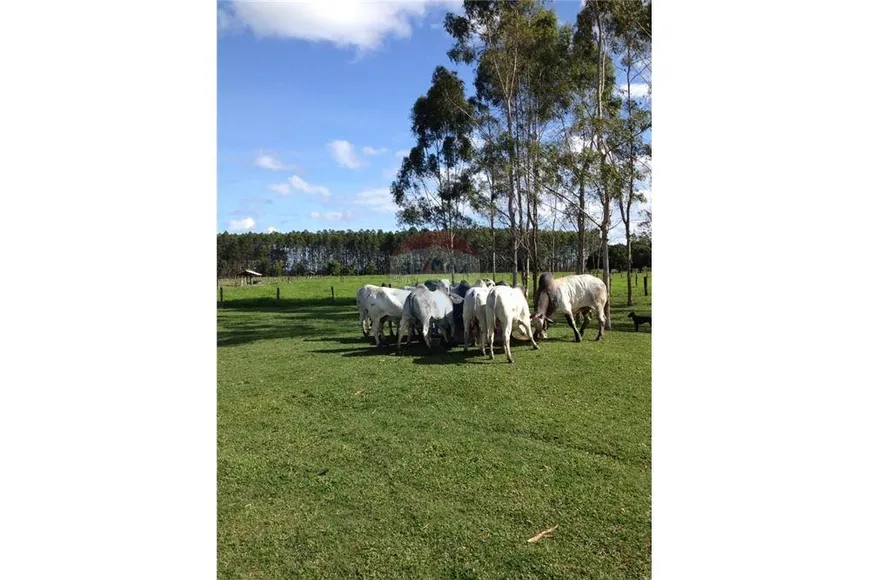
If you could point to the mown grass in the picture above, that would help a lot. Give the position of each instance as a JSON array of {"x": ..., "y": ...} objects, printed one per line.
[{"x": 340, "y": 460}]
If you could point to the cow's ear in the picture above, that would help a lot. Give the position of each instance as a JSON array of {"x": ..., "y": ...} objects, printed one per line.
[
  {"x": 550, "y": 320},
  {"x": 456, "y": 299}
]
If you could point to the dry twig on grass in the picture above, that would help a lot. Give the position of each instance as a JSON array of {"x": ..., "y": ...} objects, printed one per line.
[{"x": 544, "y": 534}]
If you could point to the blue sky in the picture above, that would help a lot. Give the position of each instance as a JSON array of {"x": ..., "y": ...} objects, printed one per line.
[{"x": 313, "y": 102}]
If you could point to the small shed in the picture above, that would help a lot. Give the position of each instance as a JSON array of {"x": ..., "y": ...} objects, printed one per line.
[{"x": 248, "y": 275}]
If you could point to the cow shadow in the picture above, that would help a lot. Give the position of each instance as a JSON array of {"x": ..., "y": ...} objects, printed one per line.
[{"x": 453, "y": 356}]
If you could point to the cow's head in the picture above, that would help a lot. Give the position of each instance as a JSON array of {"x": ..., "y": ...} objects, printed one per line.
[{"x": 540, "y": 324}]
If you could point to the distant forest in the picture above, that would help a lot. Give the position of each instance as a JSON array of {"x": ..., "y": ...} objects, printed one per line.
[{"x": 337, "y": 252}]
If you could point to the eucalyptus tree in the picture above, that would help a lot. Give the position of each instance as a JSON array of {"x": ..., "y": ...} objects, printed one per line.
[
  {"x": 630, "y": 27},
  {"x": 594, "y": 26},
  {"x": 434, "y": 182},
  {"x": 516, "y": 48},
  {"x": 495, "y": 37},
  {"x": 543, "y": 90}
]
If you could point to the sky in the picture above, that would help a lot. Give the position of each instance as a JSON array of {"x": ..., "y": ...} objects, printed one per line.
[{"x": 313, "y": 103}]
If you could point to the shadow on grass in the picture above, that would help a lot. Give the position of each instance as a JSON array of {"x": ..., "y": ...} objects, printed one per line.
[
  {"x": 246, "y": 334},
  {"x": 269, "y": 304},
  {"x": 298, "y": 318}
]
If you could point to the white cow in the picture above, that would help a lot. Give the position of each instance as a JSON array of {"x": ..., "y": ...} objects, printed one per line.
[
  {"x": 426, "y": 307},
  {"x": 474, "y": 312},
  {"x": 384, "y": 303},
  {"x": 507, "y": 306},
  {"x": 576, "y": 293}
]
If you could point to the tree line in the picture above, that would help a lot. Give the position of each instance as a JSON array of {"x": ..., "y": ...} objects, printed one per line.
[
  {"x": 545, "y": 135},
  {"x": 337, "y": 252}
]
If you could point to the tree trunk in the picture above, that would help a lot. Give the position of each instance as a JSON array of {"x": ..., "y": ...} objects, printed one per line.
[
  {"x": 628, "y": 249},
  {"x": 581, "y": 220},
  {"x": 512, "y": 196},
  {"x": 626, "y": 218},
  {"x": 535, "y": 194},
  {"x": 492, "y": 230},
  {"x": 605, "y": 194}
]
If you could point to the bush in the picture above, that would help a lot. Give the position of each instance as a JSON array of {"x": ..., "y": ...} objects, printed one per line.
[{"x": 333, "y": 268}]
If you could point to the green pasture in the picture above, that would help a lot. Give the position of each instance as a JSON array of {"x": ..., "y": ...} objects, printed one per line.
[{"x": 340, "y": 460}]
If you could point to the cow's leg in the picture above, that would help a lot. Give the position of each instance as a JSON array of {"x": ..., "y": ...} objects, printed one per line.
[
  {"x": 466, "y": 327},
  {"x": 490, "y": 338},
  {"x": 528, "y": 328},
  {"x": 426, "y": 335},
  {"x": 480, "y": 331},
  {"x": 585, "y": 312},
  {"x": 363, "y": 318},
  {"x": 602, "y": 320},
  {"x": 570, "y": 318},
  {"x": 506, "y": 332},
  {"x": 403, "y": 325},
  {"x": 451, "y": 326},
  {"x": 377, "y": 328}
]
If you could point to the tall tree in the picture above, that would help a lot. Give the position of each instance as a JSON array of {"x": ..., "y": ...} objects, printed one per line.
[
  {"x": 493, "y": 35},
  {"x": 434, "y": 180},
  {"x": 632, "y": 32},
  {"x": 594, "y": 22}
]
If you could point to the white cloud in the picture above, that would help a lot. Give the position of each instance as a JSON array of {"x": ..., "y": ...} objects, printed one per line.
[
  {"x": 282, "y": 188},
  {"x": 271, "y": 162},
  {"x": 379, "y": 200},
  {"x": 243, "y": 225},
  {"x": 271, "y": 229},
  {"x": 637, "y": 90},
  {"x": 299, "y": 184},
  {"x": 361, "y": 24},
  {"x": 331, "y": 216},
  {"x": 372, "y": 151},
  {"x": 342, "y": 151},
  {"x": 403, "y": 153}
]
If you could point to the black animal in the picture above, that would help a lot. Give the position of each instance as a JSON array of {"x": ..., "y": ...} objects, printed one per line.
[{"x": 638, "y": 320}]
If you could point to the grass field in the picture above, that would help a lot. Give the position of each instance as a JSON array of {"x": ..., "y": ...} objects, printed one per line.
[{"x": 340, "y": 460}]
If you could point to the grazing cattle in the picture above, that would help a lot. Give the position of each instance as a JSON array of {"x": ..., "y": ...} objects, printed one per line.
[
  {"x": 426, "y": 307},
  {"x": 577, "y": 293},
  {"x": 639, "y": 319},
  {"x": 384, "y": 303},
  {"x": 507, "y": 306},
  {"x": 474, "y": 313}
]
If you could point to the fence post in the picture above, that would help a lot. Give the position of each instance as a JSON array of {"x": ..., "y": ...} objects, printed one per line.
[
  {"x": 278, "y": 294},
  {"x": 332, "y": 288},
  {"x": 644, "y": 286},
  {"x": 222, "y": 296}
]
